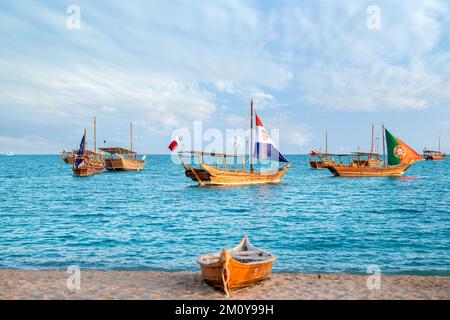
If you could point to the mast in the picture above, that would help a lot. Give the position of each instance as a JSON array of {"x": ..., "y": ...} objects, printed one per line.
[
  {"x": 244, "y": 162},
  {"x": 384, "y": 144},
  {"x": 326, "y": 141},
  {"x": 95, "y": 134},
  {"x": 373, "y": 128},
  {"x": 439, "y": 147},
  {"x": 251, "y": 135},
  {"x": 85, "y": 142},
  {"x": 131, "y": 136}
]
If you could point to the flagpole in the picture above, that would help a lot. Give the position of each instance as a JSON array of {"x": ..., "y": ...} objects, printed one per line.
[
  {"x": 131, "y": 136},
  {"x": 95, "y": 134},
  {"x": 384, "y": 144},
  {"x": 439, "y": 147},
  {"x": 373, "y": 128},
  {"x": 85, "y": 142},
  {"x": 251, "y": 135}
]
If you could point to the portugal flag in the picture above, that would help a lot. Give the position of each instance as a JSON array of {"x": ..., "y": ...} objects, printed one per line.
[{"x": 399, "y": 152}]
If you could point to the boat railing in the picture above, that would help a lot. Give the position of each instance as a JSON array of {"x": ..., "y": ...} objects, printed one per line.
[
  {"x": 222, "y": 161},
  {"x": 228, "y": 162}
]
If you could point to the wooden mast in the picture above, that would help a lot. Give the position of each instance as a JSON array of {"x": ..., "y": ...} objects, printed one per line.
[
  {"x": 384, "y": 144},
  {"x": 326, "y": 141},
  {"x": 439, "y": 147},
  {"x": 131, "y": 136},
  {"x": 85, "y": 142},
  {"x": 95, "y": 134},
  {"x": 251, "y": 135},
  {"x": 373, "y": 129}
]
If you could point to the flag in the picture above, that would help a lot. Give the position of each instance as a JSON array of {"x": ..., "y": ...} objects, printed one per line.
[
  {"x": 82, "y": 164},
  {"x": 399, "y": 152},
  {"x": 80, "y": 151},
  {"x": 174, "y": 144},
  {"x": 265, "y": 149},
  {"x": 314, "y": 152}
]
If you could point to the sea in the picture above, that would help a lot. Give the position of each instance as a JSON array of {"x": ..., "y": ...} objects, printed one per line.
[{"x": 158, "y": 219}]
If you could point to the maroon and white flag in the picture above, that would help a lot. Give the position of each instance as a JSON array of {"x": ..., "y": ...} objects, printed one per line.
[{"x": 174, "y": 144}]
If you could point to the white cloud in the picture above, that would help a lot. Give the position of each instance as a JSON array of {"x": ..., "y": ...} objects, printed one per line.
[
  {"x": 344, "y": 66},
  {"x": 79, "y": 91},
  {"x": 236, "y": 121}
]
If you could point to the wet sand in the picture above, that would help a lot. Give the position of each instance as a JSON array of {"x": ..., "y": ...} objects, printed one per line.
[{"x": 52, "y": 284}]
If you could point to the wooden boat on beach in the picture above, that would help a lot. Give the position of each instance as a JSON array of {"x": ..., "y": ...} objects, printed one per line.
[
  {"x": 265, "y": 149},
  {"x": 400, "y": 157},
  {"x": 239, "y": 267},
  {"x": 121, "y": 159},
  {"x": 431, "y": 155}
]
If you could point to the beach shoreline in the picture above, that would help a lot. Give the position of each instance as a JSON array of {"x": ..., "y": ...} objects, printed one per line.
[{"x": 160, "y": 285}]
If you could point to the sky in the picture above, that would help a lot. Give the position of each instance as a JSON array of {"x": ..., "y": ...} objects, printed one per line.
[{"x": 309, "y": 66}]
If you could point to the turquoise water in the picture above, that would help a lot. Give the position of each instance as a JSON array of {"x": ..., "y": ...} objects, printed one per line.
[{"x": 159, "y": 220}]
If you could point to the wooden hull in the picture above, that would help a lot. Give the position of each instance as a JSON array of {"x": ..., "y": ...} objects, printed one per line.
[
  {"x": 320, "y": 164},
  {"x": 237, "y": 268},
  {"x": 240, "y": 274},
  {"x": 365, "y": 171},
  {"x": 209, "y": 175},
  {"x": 317, "y": 165},
  {"x": 69, "y": 160},
  {"x": 98, "y": 169},
  {"x": 124, "y": 164},
  {"x": 68, "y": 157},
  {"x": 83, "y": 172},
  {"x": 434, "y": 158}
]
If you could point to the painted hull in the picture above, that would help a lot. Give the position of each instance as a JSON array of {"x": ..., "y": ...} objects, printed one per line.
[
  {"x": 83, "y": 172},
  {"x": 355, "y": 171},
  {"x": 209, "y": 175},
  {"x": 124, "y": 164},
  {"x": 240, "y": 274}
]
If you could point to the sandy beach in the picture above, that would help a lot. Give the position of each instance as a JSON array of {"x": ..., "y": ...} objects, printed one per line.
[{"x": 52, "y": 284}]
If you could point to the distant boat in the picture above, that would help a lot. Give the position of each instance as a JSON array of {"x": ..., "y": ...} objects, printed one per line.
[
  {"x": 121, "y": 159},
  {"x": 81, "y": 166},
  {"x": 399, "y": 158},
  {"x": 434, "y": 155},
  {"x": 319, "y": 160},
  {"x": 10, "y": 153},
  {"x": 88, "y": 162},
  {"x": 239, "y": 267},
  {"x": 213, "y": 175}
]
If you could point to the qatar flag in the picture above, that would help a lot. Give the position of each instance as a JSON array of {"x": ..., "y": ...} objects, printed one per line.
[
  {"x": 265, "y": 149},
  {"x": 174, "y": 144}
]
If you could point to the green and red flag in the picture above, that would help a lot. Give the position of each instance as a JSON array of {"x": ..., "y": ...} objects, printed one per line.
[{"x": 399, "y": 152}]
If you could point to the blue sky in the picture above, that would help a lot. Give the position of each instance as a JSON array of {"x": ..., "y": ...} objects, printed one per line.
[{"x": 309, "y": 65}]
